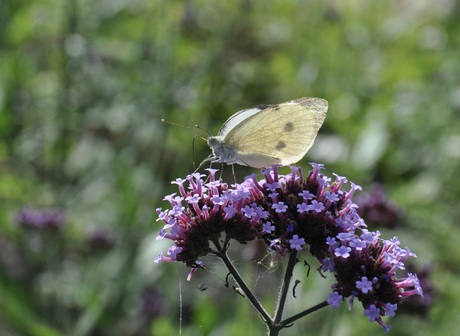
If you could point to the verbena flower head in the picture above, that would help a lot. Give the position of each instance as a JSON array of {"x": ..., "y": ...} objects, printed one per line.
[
  {"x": 291, "y": 212},
  {"x": 100, "y": 239},
  {"x": 365, "y": 268},
  {"x": 39, "y": 219},
  {"x": 202, "y": 212},
  {"x": 421, "y": 305},
  {"x": 303, "y": 211},
  {"x": 151, "y": 304},
  {"x": 377, "y": 210}
]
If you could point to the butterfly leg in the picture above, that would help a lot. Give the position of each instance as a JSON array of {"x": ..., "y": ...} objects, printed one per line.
[{"x": 233, "y": 173}]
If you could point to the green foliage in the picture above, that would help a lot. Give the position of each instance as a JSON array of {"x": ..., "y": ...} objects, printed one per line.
[{"x": 84, "y": 84}]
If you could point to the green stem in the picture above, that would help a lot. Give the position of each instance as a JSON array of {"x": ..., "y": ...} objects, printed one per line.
[
  {"x": 274, "y": 325},
  {"x": 294, "y": 318},
  {"x": 222, "y": 253},
  {"x": 285, "y": 287}
]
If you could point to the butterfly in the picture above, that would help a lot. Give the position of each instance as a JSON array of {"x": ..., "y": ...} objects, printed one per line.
[{"x": 269, "y": 135}]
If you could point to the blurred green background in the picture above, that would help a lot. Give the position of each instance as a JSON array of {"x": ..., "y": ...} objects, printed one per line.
[{"x": 83, "y": 86}]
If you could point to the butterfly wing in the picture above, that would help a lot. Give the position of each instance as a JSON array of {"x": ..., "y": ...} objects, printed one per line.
[
  {"x": 279, "y": 134},
  {"x": 238, "y": 118}
]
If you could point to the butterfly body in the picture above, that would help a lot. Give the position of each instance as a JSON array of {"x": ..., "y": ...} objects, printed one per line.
[{"x": 269, "y": 134}]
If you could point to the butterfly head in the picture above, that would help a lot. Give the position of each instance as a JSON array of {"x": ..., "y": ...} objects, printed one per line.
[{"x": 221, "y": 152}]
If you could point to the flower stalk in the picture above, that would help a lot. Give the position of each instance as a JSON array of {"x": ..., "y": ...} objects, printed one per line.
[{"x": 222, "y": 253}]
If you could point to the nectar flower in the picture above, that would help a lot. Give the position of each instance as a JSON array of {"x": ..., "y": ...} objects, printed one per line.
[
  {"x": 420, "y": 305},
  {"x": 291, "y": 213},
  {"x": 296, "y": 242},
  {"x": 100, "y": 239},
  {"x": 369, "y": 275},
  {"x": 320, "y": 212},
  {"x": 210, "y": 211},
  {"x": 377, "y": 210},
  {"x": 38, "y": 219},
  {"x": 300, "y": 208}
]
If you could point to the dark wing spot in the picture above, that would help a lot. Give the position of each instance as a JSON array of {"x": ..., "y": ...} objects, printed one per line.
[
  {"x": 263, "y": 106},
  {"x": 289, "y": 127},
  {"x": 280, "y": 145}
]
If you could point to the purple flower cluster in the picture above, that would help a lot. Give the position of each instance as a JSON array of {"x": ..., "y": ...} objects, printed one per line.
[
  {"x": 420, "y": 305},
  {"x": 291, "y": 213},
  {"x": 377, "y": 210},
  {"x": 203, "y": 212},
  {"x": 100, "y": 239},
  {"x": 303, "y": 211},
  {"x": 365, "y": 268},
  {"x": 40, "y": 219}
]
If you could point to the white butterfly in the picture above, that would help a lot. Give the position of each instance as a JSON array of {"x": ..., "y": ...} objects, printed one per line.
[{"x": 269, "y": 134}]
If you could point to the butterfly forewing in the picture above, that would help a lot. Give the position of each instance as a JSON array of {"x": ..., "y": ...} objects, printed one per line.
[
  {"x": 237, "y": 119},
  {"x": 281, "y": 133}
]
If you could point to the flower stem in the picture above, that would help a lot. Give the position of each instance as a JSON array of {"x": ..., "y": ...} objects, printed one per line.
[
  {"x": 294, "y": 318},
  {"x": 285, "y": 286},
  {"x": 222, "y": 253},
  {"x": 274, "y": 325}
]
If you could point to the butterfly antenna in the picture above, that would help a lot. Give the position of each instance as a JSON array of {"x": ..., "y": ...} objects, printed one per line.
[
  {"x": 202, "y": 130},
  {"x": 175, "y": 124},
  {"x": 197, "y": 127}
]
